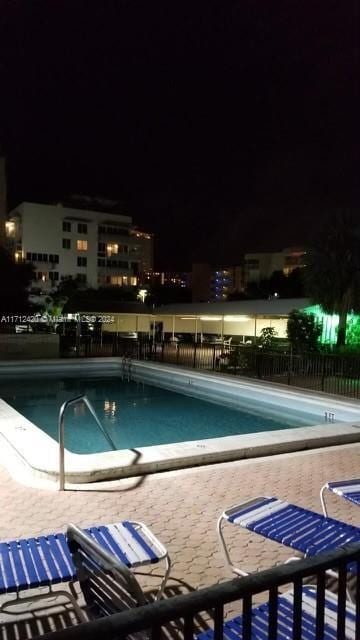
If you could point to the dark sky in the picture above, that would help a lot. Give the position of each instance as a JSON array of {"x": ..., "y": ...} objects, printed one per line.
[{"x": 222, "y": 126}]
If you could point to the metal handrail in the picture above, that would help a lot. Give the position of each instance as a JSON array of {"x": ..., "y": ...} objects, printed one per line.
[{"x": 61, "y": 424}]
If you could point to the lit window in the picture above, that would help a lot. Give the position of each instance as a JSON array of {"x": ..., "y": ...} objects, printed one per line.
[
  {"x": 10, "y": 229},
  {"x": 112, "y": 249},
  {"x": 42, "y": 275},
  {"x": 133, "y": 281},
  {"x": 116, "y": 280},
  {"x": 81, "y": 245}
]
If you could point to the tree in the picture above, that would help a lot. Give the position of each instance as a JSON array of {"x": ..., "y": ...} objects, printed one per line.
[
  {"x": 332, "y": 274},
  {"x": 291, "y": 286},
  {"x": 266, "y": 339},
  {"x": 167, "y": 294},
  {"x": 15, "y": 280},
  {"x": 56, "y": 300},
  {"x": 303, "y": 331}
]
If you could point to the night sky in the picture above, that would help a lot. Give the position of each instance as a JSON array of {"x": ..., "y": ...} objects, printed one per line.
[{"x": 221, "y": 126}]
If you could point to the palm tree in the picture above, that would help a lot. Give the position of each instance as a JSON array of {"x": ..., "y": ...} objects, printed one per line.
[{"x": 332, "y": 273}]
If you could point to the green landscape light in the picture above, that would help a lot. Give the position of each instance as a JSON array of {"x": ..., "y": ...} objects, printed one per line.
[{"x": 330, "y": 323}]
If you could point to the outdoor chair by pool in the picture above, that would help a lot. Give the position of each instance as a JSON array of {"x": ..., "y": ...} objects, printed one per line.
[
  {"x": 109, "y": 587},
  {"x": 234, "y": 629},
  {"x": 300, "y": 529},
  {"x": 45, "y": 561},
  {"x": 107, "y": 584},
  {"x": 348, "y": 489}
]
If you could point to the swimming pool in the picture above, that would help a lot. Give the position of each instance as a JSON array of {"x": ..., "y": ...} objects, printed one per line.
[
  {"x": 278, "y": 415},
  {"x": 137, "y": 414}
]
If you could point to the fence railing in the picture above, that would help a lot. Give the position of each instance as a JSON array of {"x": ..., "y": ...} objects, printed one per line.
[
  {"x": 338, "y": 374},
  {"x": 183, "y": 616}
]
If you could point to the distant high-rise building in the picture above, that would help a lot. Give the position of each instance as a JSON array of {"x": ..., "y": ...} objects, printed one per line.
[
  {"x": 201, "y": 282},
  {"x": 168, "y": 278},
  {"x": 210, "y": 284},
  {"x": 261, "y": 266}
]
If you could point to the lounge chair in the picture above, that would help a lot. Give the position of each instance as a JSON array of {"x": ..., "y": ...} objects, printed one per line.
[
  {"x": 107, "y": 584},
  {"x": 234, "y": 629},
  {"x": 46, "y": 560},
  {"x": 348, "y": 489},
  {"x": 301, "y": 529},
  {"x": 109, "y": 587}
]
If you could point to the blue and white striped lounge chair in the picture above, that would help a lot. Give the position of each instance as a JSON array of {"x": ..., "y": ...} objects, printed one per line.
[
  {"x": 233, "y": 629},
  {"x": 109, "y": 587},
  {"x": 300, "y": 529},
  {"x": 348, "y": 489},
  {"x": 45, "y": 561}
]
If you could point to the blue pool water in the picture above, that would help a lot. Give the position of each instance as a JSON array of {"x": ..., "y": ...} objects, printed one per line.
[{"x": 135, "y": 414}]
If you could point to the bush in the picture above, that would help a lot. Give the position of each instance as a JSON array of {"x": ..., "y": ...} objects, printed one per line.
[{"x": 303, "y": 331}]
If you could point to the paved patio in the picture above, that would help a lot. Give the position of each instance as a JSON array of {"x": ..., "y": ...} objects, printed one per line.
[{"x": 182, "y": 508}]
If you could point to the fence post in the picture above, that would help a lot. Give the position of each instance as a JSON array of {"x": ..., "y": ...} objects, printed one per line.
[
  {"x": 258, "y": 363},
  {"x": 290, "y": 366},
  {"x": 214, "y": 358},
  {"x": 194, "y": 360},
  {"x": 323, "y": 374}
]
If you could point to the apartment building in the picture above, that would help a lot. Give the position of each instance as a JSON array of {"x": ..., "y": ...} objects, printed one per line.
[
  {"x": 213, "y": 284},
  {"x": 260, "y": 266},
  {"x": 98, "y": 248},
  {"x": 168, "y": 278}
]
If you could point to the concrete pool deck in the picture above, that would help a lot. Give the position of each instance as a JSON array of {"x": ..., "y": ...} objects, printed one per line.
[
  {"x": 182, "y": 508},
  {"x": 33, "y": 457}
]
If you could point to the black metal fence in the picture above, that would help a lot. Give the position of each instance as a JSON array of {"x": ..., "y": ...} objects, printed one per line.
[
  {"x": 331, "y": 373},
  {"x": 181, "y": 616}
]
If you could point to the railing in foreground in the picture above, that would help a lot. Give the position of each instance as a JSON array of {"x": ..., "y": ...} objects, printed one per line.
[{"x": 184, "y": 610}]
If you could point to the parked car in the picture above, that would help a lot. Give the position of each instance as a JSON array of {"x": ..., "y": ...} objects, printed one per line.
[{"x": 23, "y": 328}]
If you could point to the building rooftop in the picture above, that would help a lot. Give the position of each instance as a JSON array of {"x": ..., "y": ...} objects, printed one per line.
[
  {"x": 98, "y": 305},
  {"x": 272, "y": 307}
]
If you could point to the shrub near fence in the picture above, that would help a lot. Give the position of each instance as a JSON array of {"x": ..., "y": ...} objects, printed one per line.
[{"x": 338, "y": 374}]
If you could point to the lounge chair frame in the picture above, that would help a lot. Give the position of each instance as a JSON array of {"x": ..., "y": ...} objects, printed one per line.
[
  {"x": 347, "y": 489},
  {"x": 251, "y": 513},
  {"x": 44, "y": 561}
]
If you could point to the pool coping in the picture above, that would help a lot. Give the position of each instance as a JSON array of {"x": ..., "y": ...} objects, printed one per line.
[{"x": 29, "y": 454}]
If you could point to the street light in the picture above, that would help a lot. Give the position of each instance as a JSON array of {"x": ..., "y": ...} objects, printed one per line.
[{"x": 142, "y": 294}]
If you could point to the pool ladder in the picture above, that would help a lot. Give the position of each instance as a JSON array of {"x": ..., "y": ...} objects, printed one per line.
[
  {"x": 126, "y": 368},
  {"x": 61, "y": 425}
]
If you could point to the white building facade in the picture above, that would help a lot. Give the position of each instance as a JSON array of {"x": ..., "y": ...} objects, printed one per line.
[
  {"x": 94, "y": 247},
  {"x": 258, "y": 266}
]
